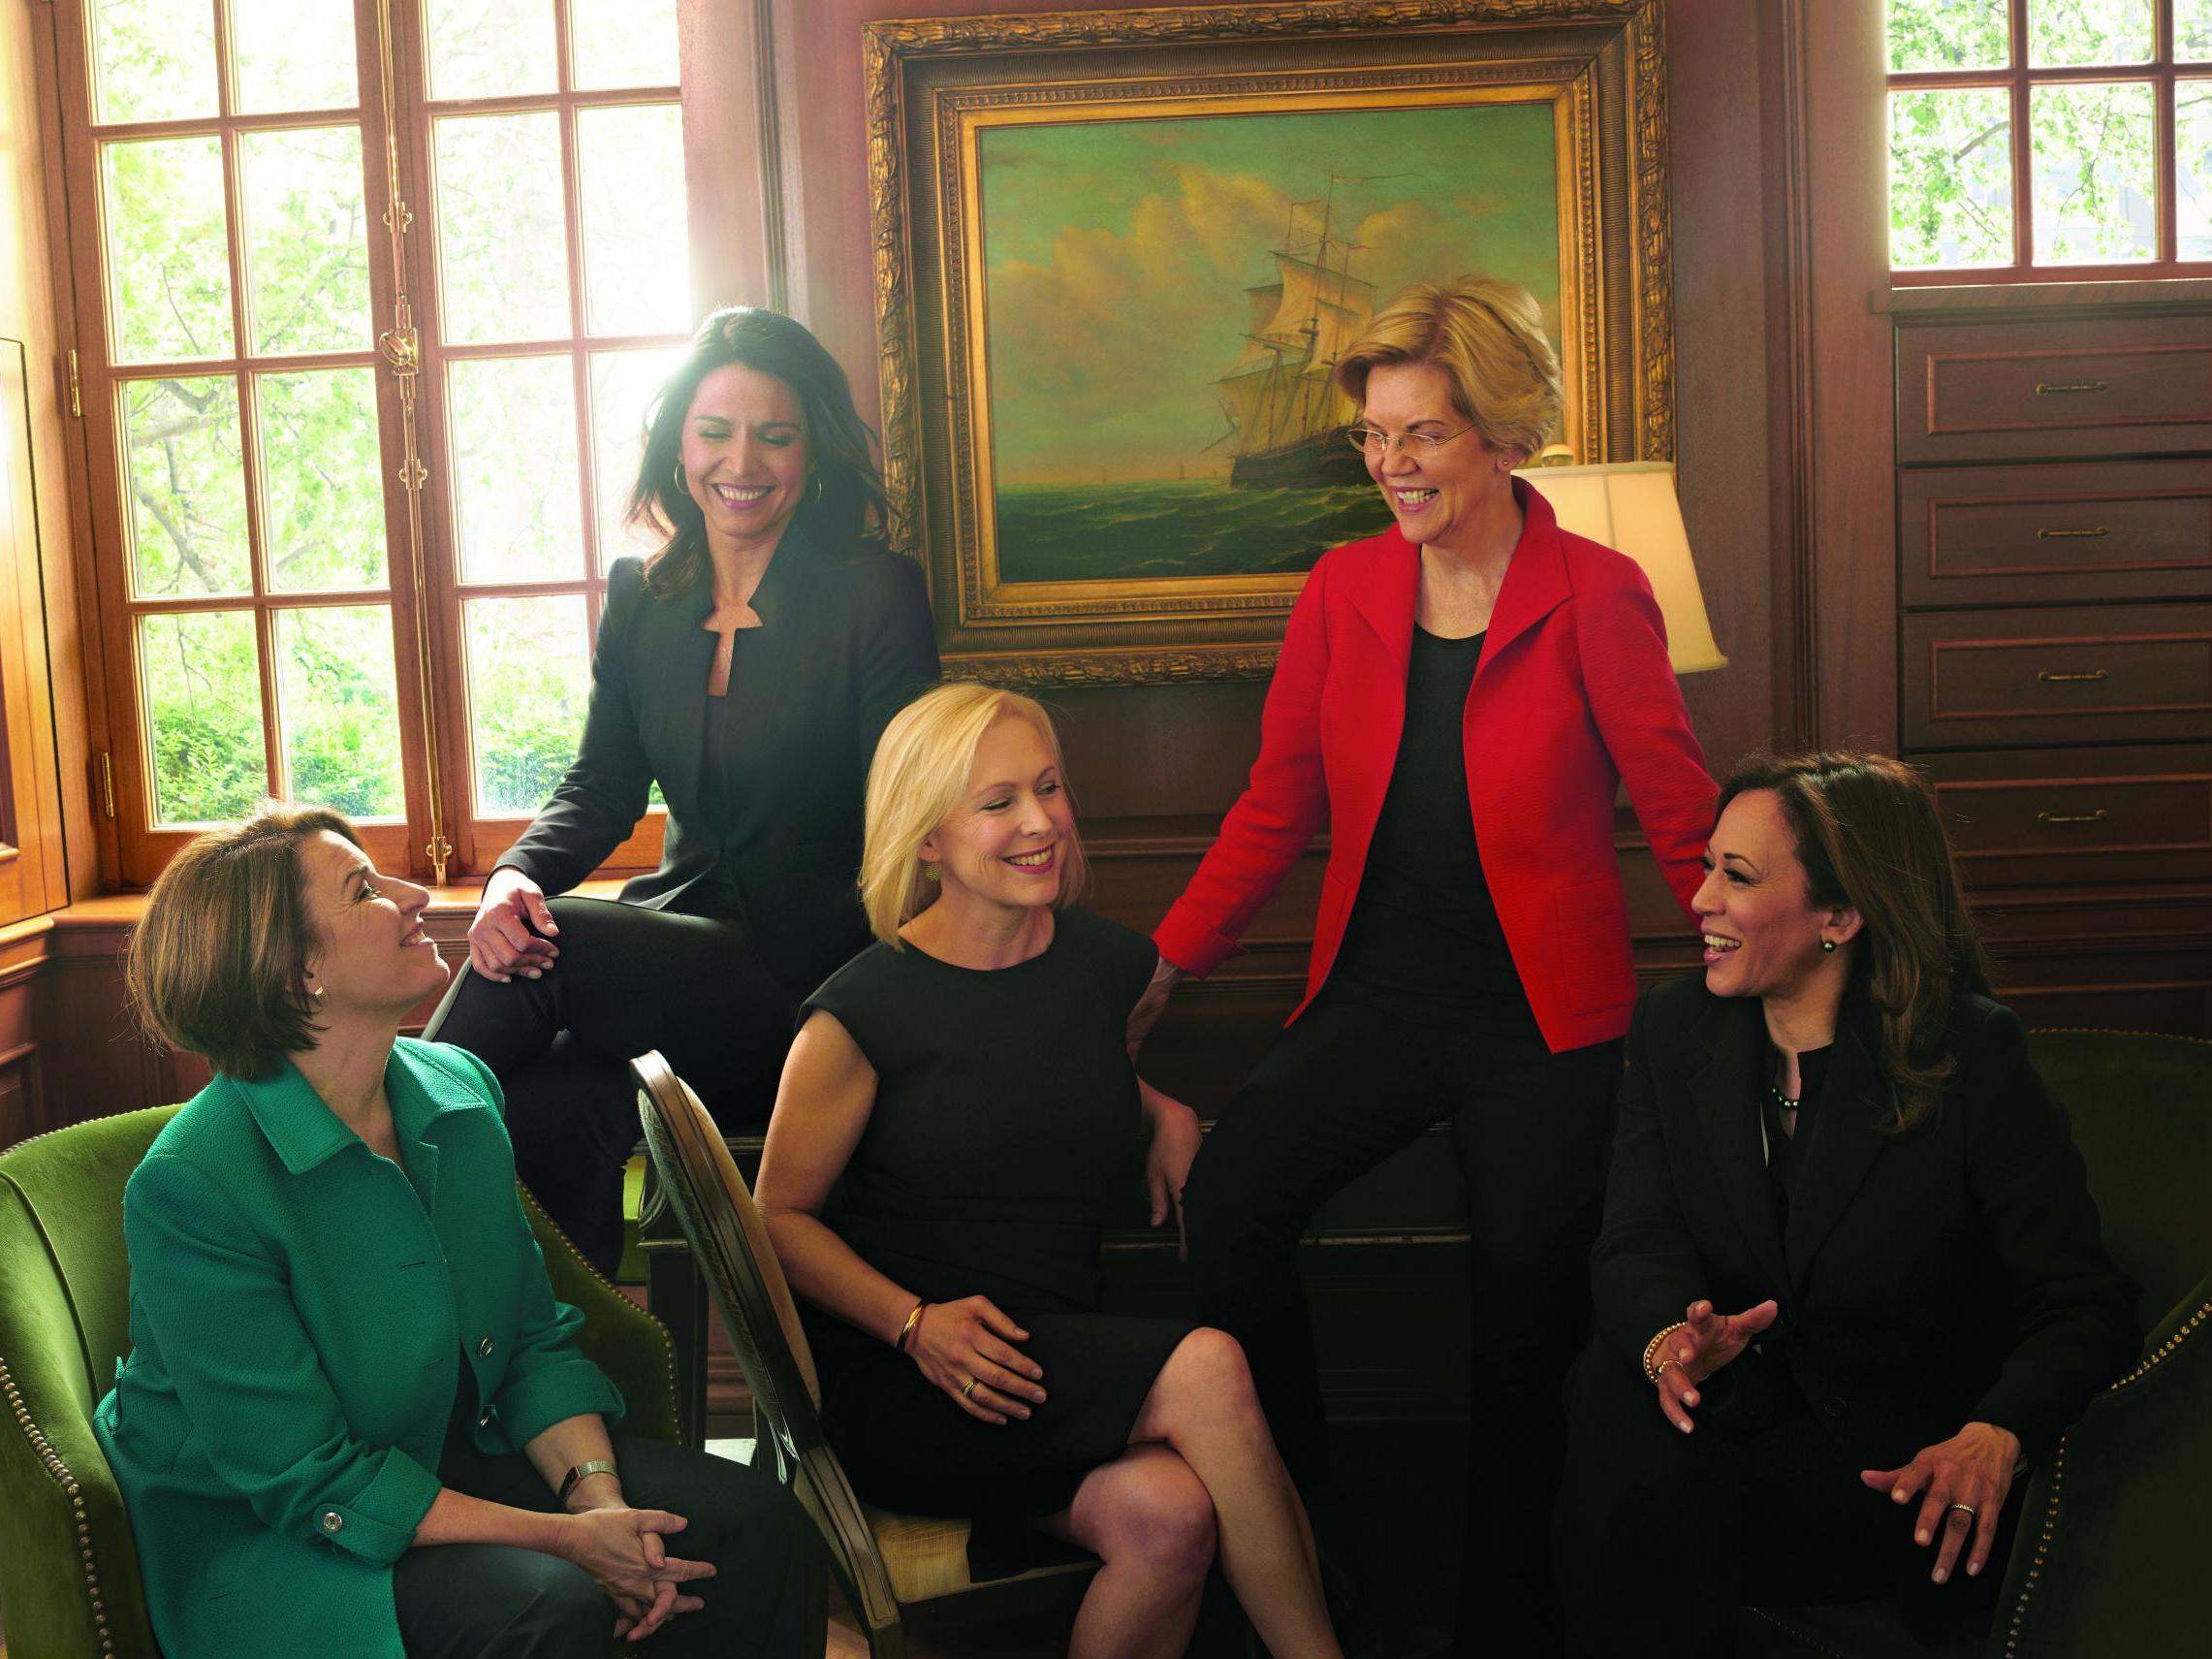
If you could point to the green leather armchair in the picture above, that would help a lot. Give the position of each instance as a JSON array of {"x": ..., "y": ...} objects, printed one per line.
[
  {"x": 2115, "y": 1528},
  {"x": 68, "y": 1570}
]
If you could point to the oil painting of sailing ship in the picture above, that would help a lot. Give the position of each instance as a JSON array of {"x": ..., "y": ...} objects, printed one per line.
[
  {"x": 1281, "y": 396},
  {"x": 1167, "y": 301}
]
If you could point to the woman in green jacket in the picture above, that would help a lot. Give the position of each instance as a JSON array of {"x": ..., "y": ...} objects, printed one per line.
[{"x": 353, "y": 1421}]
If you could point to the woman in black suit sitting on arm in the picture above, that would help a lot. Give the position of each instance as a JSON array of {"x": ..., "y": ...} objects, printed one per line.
[
  {"x": 1849, "y": 1273},
  {"x": 747, "y": 667}
]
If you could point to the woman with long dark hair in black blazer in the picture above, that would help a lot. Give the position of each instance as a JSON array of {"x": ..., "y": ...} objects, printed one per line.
[
  {"x": 747, "y": 668},
  {"x": 1849, "y": 1272}
]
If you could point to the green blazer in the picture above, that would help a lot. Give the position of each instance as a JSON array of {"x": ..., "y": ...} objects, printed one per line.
[{"x": 298, "y": 1307}]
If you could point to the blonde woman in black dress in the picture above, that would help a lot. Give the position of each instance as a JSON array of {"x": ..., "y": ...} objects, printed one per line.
[{"x": 956, "y": 1111}]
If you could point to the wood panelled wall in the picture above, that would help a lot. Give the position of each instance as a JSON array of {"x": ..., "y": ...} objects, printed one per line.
[
  {"x": 775, "y": 121},
  {"x": 42, "y": 726},
  {"x": 1154, "y": 768},
  {"x": 1786, "y": 451}
]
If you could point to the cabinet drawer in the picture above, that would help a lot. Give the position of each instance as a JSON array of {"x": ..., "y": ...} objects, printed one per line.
[
  {"x": 2071, "y": 815},
  {"x": 2096, "y": 529},
  {"x": 2016, "y": 390},
  {"x": 2002, "y": 679}
]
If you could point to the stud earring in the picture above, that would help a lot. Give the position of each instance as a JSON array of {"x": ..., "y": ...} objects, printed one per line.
[
  {"x": 931, "y": 873},
  {"x": 1827, "y": 945},
  {"x": 317, "y": 993}
]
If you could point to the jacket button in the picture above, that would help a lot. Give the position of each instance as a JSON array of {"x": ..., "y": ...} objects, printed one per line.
[
  {"x": 332, "y": 1521},
  {"x": 485, "y": 1419},
  {"x": 483, "y": 1349},
  {"x": 1835, "y": 1405}
]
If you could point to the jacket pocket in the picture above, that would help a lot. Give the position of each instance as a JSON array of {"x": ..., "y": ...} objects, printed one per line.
[{"x": 1597, "y": 971}]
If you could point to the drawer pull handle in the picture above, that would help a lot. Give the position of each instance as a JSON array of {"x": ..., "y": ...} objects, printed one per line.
[
  {"x": 2096, "y": 817},
  {"x": 2058, "y": 388},
  {"x": 2050, "y": 679},
  {"x": 2073, "y": 536}
]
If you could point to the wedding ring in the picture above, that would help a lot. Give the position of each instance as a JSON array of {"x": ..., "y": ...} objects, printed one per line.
[{"x": 968, "y": 1388}]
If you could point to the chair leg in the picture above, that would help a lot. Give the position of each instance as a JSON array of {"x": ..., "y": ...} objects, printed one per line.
[{"x": 678, "y": 1293}]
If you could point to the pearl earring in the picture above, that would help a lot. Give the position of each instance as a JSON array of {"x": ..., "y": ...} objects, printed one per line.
[{"x": 1827, "y": 945}]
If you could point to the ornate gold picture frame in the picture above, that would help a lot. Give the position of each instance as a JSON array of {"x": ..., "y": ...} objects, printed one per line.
[{"x": 1118, "y": 252}]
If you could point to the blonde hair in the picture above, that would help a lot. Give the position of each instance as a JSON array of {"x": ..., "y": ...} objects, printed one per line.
[
  {"x": 1489, "y": 336},
  {"x": 218, "y": 965},
  {"x": 921, "y": 768}
]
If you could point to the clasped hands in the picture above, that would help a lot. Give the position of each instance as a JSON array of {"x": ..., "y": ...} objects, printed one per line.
[
  {"x": 623, "y": 1550},
  {"x": 1962, "y": 1482}
]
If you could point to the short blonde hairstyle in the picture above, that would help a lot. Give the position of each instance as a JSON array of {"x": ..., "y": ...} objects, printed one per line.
[
  {"x": 922, "y": 764},
  {"x": 218, "y": 964},
  {"x": 1489, "y": 336}
]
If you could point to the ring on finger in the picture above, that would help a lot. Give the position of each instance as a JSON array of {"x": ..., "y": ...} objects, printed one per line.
[
  {"x": 968, "y": 1388},
  {"x": 1968, "y": 1510}
]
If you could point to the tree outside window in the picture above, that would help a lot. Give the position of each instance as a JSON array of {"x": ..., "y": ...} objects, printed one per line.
[
  {"x": 2041, "y": 139},
  {"x": 306, "y": 593}
]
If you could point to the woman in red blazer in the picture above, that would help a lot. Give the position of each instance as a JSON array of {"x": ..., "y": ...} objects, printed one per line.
[{"x": 1457, "y": 701}]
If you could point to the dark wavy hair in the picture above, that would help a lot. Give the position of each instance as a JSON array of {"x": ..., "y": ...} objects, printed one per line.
[
  {"x": 849, "y": 504},
  {"x": 1870, "y": 835}
]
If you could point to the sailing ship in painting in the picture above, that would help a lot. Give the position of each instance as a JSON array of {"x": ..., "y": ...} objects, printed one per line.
[{"x": 1285, "y": 414}]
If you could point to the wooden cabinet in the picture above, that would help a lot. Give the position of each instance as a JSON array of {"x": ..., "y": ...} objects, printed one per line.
[{"x": 2054, "y": 668}]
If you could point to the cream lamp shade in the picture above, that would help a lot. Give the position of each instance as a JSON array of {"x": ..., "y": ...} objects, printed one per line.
[{"x": 1629, "y": 505}]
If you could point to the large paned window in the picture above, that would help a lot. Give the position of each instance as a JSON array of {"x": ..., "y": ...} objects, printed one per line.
[
  {"x": 371, "y": 296},
  {"x": 2036, "y": 140}
]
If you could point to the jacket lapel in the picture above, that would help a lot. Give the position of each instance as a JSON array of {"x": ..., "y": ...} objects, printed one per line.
[
  {"x": 1725, "y": 1088},
  {"x": 1387, "y": 590},
  {"x": 424, "y": 1098},
  {"x": 1854, "y": 1100},
  {"x": 300, "y": 1127},
  {"x": 675, "y": 654},
  {"x": 1536, "y": 581}
]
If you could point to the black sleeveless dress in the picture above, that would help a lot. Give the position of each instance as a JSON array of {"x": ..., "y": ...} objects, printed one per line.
[{"x": 1005, "y": 1118}]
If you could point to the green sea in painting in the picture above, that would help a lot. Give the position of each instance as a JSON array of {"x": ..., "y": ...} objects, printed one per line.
[{"x": 1072, "y": 532}]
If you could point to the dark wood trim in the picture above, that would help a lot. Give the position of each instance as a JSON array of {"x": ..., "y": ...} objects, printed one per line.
[
  {"x": 91, "y": 853},
  {"x": 1796, "y": 630}
]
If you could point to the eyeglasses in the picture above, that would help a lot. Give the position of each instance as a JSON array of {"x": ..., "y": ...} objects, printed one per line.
[{"x": 1373, "y": 440}]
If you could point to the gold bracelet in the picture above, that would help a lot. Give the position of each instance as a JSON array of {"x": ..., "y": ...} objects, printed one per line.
[
  {"x": 907, "y": 1330},
  {"x": 1651, "y": 1349}
]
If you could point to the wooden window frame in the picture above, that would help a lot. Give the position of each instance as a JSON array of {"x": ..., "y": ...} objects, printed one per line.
[
  {"x": 439, "y": 837},
  {"x": 2018, "y": 80}
]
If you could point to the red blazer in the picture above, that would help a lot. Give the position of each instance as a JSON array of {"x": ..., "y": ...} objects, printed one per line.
[{"x": 1572, "y": 694}]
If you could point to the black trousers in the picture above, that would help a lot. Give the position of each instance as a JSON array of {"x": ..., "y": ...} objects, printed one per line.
[
  {"x": 1347, "y": 1086},
  {"x": 1661, "y": 1536},
  {"x": 628, "y": 979},
  {"x": 489, "y": 1601}
]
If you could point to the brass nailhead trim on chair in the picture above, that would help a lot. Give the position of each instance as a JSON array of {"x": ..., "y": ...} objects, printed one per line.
[
  {"x": 2164, "y": 1349},
  {"x": 67, "y": 1481},
  {"x": 667, "y": 1342}
]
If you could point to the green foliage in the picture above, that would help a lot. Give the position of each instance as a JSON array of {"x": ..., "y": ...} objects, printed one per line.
[
  {"x": 310, "y": 241},
  {"x": 1946, "y": 34},
  {"x": 203, "y": 692},
  {"x": 2092, "y": 174}
]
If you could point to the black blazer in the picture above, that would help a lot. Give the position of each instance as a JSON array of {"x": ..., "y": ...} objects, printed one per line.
[
  {"x": 1947, "y": 1276},
  {"x": 846, "y": 641}
]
